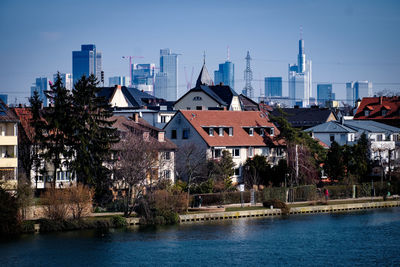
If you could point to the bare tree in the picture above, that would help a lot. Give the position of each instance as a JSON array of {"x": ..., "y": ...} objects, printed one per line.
[
  {"x": 135, "y": 169},
  {"x": 191, "y": 165}
]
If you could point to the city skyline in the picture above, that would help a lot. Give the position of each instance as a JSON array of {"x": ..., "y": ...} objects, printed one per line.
[{"x": 360, "y": 43}]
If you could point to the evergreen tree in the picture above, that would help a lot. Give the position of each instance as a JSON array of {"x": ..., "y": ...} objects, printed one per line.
[
  {"x": 92, "y": 135},
  {"x": 335, "y": 165}
]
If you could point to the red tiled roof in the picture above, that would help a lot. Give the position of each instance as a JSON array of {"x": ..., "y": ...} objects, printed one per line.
[
  {"x": 239, "y": 120},
  {"x": 375, "y": 104},
  {"x": 25, "y": 116}
]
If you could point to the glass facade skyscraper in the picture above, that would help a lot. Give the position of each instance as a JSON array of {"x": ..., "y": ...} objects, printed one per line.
[
  {"x": 225, "y": 74},
  {"x": 119, "y": 80},
  {"x": 41, "y": 86},
  {"x": 169, "y": 68},
  {"x": 86, "y": 62},
  {"x": 66, "y": 79},
  {"x": 143, "y": 76},
  {"x": 324, "y": 93},
  {"x": 273, "y": 86},
  {"x": 357, "y": 90}
]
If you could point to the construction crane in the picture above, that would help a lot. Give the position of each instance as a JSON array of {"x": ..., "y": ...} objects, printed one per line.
[
  {"x": 131, "y": 58},
  {"x": 188, "y": 83}
]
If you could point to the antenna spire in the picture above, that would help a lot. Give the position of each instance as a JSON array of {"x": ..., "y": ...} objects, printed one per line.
[
  {"x": 204, "y": 57},
  {"x": 228, "y": 53},
  {"x": 301, "y": 32}
]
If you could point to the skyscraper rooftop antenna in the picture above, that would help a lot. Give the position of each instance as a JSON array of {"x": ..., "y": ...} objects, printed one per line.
[
  {"x": 204, "y": 57},
  {"x": 228, "y": 53},
  {"x": 301, "y": 32}
]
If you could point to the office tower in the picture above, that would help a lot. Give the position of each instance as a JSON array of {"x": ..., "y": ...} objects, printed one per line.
[
  {"x": 86, "y": 62},
  {"x": 143, "y": 76},
  {"x": 357, "y": 90},
  {"x": 119, "y": 80},
  {"x": 41, "y": 86},
  {"x": 300, "y": 79},
  {"x": 273, "y": 86},
  {"x": 4, "y": 98},
  {"x": 66, "y": 79},
  {"x": 225, "y": 74},
  {"x": 324, "y": 93},
  {"x": 169, "y": 71}
]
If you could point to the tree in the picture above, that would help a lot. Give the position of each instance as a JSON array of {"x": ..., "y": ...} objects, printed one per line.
[
  {"x": 57, "y": 128},
  {"x": 335, "y": 165},
  {"x": 255, "y": 171},
  {"x": 135, "y": 168},
  {"x": 92, "y": 136},
  {"x": 221, "y": 170},
  {"x": 9, "y": 217}
]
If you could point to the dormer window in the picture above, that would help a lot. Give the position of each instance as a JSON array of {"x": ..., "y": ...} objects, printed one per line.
[
  {"x": 272, "y": 131},
  {"x": 262, "y": 132},
  {"x": 230, "y": 131},
  {"x": 221, "y": 131},
  {"x": 251, "y": 131},
  {"x": 211, "y": 131},
  {"x": 366, "y": 112},
  {"x": 384, "y": 112}
]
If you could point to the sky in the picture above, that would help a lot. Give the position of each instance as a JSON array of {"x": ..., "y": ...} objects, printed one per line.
[{"x": 346, "y": 40}]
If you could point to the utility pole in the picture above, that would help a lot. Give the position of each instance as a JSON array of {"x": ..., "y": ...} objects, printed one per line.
[{"x": 248, "y": 77}]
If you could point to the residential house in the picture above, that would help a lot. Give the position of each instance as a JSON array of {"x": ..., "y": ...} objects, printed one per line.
[
  {"x": 304, "y": 118},
  {"x": 8, "y": 148},
  {"x": 165, "y": 147},
  {"x": 243, "y": 134},
  {"x": 380, "y": 109},
  {"x": 207, "y": 96}
]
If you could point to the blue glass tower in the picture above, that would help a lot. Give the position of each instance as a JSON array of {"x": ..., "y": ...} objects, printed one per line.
[
  {"x": 4, "y": 98},
  {"x": 225, "y": 74},
  {"x": 324, "y": 93},
  {"x": 273, "y": 86},
  {"x": 86, "y": 62},
  {"x": 169, "y": 70},
  {"x": 40, "y": 86}
]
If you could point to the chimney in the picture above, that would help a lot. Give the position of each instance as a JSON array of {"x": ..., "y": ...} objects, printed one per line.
[
  {"x": 380, "y": 100},
  {"x": 221, "y": 83},
  {"x": 161, "y": 136},
  {"x": 224, "y": 108},
  {"x": 118, "y": 86},
  {"x": 136, "y": 117}
]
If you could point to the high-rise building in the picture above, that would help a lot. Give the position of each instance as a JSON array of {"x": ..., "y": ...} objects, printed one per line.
[
  {"x": 41, "y": 86},
  {"x": 357, "y": 90},
  {"x": 273, "y": 86},
  {"x": 324, "y": 93},
  {"x": 66, "y": 79},
  {"x": 300, "y": 79},
  {"x": 143, "y": 76},
  {"x": 119, "y": 80},
  {"x": 4, "y": 98},
  {"x": 86, "y": 62},
  {"x": 225, "y": 74},
  {"x": 168, "y": 70}
]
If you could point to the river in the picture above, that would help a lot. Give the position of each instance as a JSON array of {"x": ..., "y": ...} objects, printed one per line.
[{"x": 364, "y": 238}]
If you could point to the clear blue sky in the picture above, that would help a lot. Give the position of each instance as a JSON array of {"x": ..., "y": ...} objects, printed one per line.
[{"x": 346, "y": 40}]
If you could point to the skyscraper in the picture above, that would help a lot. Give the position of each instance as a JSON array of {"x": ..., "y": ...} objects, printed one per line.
[
  {"x": 357, "y": 90},
  {"x": 4, "y": 98},
  {"x": 66, "y": 79},
  {"x": 225, "y": 74},
  {"x": 324, "y": 93},
  {"x": 41, "y": 86},
  {"x": 300, "y": 79},
  {"x": 143, "y": 76},
  {"x": 273, "y": 86},
  {"x": 119, "y": 80},
  {"x": 86, "y": 62},
  {"x": 169, "y": 71}
]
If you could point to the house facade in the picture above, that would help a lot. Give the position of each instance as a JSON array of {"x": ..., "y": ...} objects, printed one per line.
[
  {"x": 8, "y": 148},
  {"x": 243, "y": 134}
]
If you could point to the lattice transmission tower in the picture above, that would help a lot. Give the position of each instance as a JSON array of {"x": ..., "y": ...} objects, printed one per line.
[{"x": 248, "y": 77}]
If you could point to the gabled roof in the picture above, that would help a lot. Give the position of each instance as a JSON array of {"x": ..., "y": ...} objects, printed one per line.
[
  {"x": 238, "y": 120},
  {"x": 305, "y": 117},
  {"x": 135, "y": 97},
  {"x": 25, "y": 116},
  {"x": 204, "y": 78},
  {"x": 375, "y": 105},
  {"x": 248, "y": 104},
  {"x": 371, "y": 126},
  {"x": 6, "y": 114},
  {"x": 330, "y": 127}
]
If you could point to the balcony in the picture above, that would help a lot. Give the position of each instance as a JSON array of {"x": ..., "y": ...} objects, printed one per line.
[
  {"x": 8, "y": 140},
  {"x": 8, "y": 162}
]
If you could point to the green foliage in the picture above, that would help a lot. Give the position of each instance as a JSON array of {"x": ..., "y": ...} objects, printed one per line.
[
  {"x": 335, "y": 165},
  {"x": 274, "y": 193},
  {"x": 9, "y": 219},
  {"x": 220, "y": 171},
  {"x": 119, "y": 221},
  {"x": 47, "y": 225}
]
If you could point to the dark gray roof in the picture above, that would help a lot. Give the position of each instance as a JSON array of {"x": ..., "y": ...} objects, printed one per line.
[
  {"x": 6, "y": 114},
  {"x": 204, "y": 78},
  {"x": 135, "y": 97},
  {"x": 305, "y": 117},
  {"x": 371, "y": 126},
  {"x": 330, "y": 127},
  {"x": 248, "y": 104}
]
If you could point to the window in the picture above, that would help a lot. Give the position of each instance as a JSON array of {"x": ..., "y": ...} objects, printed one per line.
[
  {"x": 167, "y": 155},
  {"x": 332, "y": 137},
  {"x": 188, "y": 108},
  {"x": 265, "y": 151},
  {"x": 384, "y": 112},
  {"x": 167, "y": 174},
  {"x": 163, "y": 119},
  {"x": 211, "y": 131},
  {"x": 271, "y": 131},
  {"x": 221, "y": 131},
  {"x": 396, "y": 137},
  {"x": 185, "y": 134},
  {"x": 279, "y": 151},
  {"x": 236, "y": 152},
  {"x": 251, "y": 131},
  {"x": 262, "y": 132},
  {"x": 366, "y": 112},
  {"x": 379, "y": 137},
  {"x": 342, "y": 138},
  {"x": 199, "y": 107},
  {"x": 230, "y": 131},
  {"x": 197, "y": 98},
  {"x": 251, "y": 152},
  {"x": 217, "y": 153},
  {"x": 173, "y": 134},
  {"x": 237, "y": 171}
]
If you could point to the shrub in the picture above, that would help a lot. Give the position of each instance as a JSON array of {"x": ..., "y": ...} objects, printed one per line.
[
  {"x": 276, "y": 203},
  {"x": 28, "y": 227},
  {"x": 9, "y": 216},
  {"x": 340, "y": 191},
  {"x": 119, "y": 221},
  {"x": 79, "y": 199},
  {"x": 274, "y": 193},
  {"x": 55, "y": 202}
]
